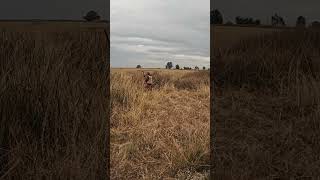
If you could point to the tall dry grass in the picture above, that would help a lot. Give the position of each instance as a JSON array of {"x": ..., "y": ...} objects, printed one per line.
[
  {"x": 267, "y": 109},
  {"x": 163, "y": 133},
  {"x": 53, "y": 105}
]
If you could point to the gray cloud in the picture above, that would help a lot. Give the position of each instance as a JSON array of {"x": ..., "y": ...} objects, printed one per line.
[
  {"x": 53, "y": 9},
  {"x": 151, "y": 32}
]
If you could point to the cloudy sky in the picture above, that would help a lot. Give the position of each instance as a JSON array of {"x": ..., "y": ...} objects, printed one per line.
[
  {"x": 52, "y": 9},
  {"x": 264, "y": 9},
  {"x": 152, "y": 32}
]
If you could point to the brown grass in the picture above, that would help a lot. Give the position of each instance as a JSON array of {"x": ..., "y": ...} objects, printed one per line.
[
  {"x": 227, "y": 36},
  {"x": 267, "y": 112},
  {"x": 163, "y": 133},
  {"x": 53, "y": 105}
]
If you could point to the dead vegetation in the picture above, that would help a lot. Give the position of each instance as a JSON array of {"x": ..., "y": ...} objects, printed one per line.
[
  {"x": 267, "y": 112},
  {"x": 162, "y": 133},
  {"x": 53, "y": 101}
]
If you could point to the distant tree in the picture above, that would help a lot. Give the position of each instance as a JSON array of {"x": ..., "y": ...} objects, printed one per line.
[
  {"x": 139, "y": 66},
  {"x": 92, "y": 16},
  {"x": 282, "y": 22},
  {"x": 177, "y": 66},
  {"x": 216, "y": 17},
  {"x": 277, "y": 21},
  {"x": 274, "y": 20},
  {"x": 238, "y": 20},
  {"x": 204, "y": 68},
  {"x": 247, "y": 21},
  {"x": 301, "y": 21},
  {"x": 169, "y": 65},
  {"x": 196, "y": 68}
]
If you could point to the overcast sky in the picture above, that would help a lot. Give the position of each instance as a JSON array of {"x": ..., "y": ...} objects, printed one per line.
[
  {"x": 152, "y": 32},
  {"x": 264, "y": 9},
  {"x": 52, "y": 9}
]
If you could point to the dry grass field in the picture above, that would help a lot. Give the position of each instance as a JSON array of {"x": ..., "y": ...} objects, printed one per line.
[
  {"x": 53, "y": 102},
  {"x": 227, "y": 36},
  {"x": 163, "y": 133},
  {"x": 267, "y": 107},
  {"x": 52, "y": 26}
]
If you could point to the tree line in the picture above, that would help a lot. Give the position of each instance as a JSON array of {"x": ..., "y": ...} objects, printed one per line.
[
  {"x": 216, "y": 17},
  {"x": 169, "y": 65}
]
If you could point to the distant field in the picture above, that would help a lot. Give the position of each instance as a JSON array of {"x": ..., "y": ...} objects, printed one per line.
[
  {"x": 52, "y": 26},
  {"x": 227, "y": 36},
  {"x": 146, "y": 69}
]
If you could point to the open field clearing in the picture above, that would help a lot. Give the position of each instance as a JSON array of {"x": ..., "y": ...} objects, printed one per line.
[
  {"x": 227, "y": 36},
  {"x": 163, "y": 133},
  {"x": 267, "y": 107},
  {"x": 52, "y": 26},
  {"x": 53, "y": 101}
]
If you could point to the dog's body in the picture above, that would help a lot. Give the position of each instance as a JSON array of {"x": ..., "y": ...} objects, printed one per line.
[{"x": 148, "y": 81}]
